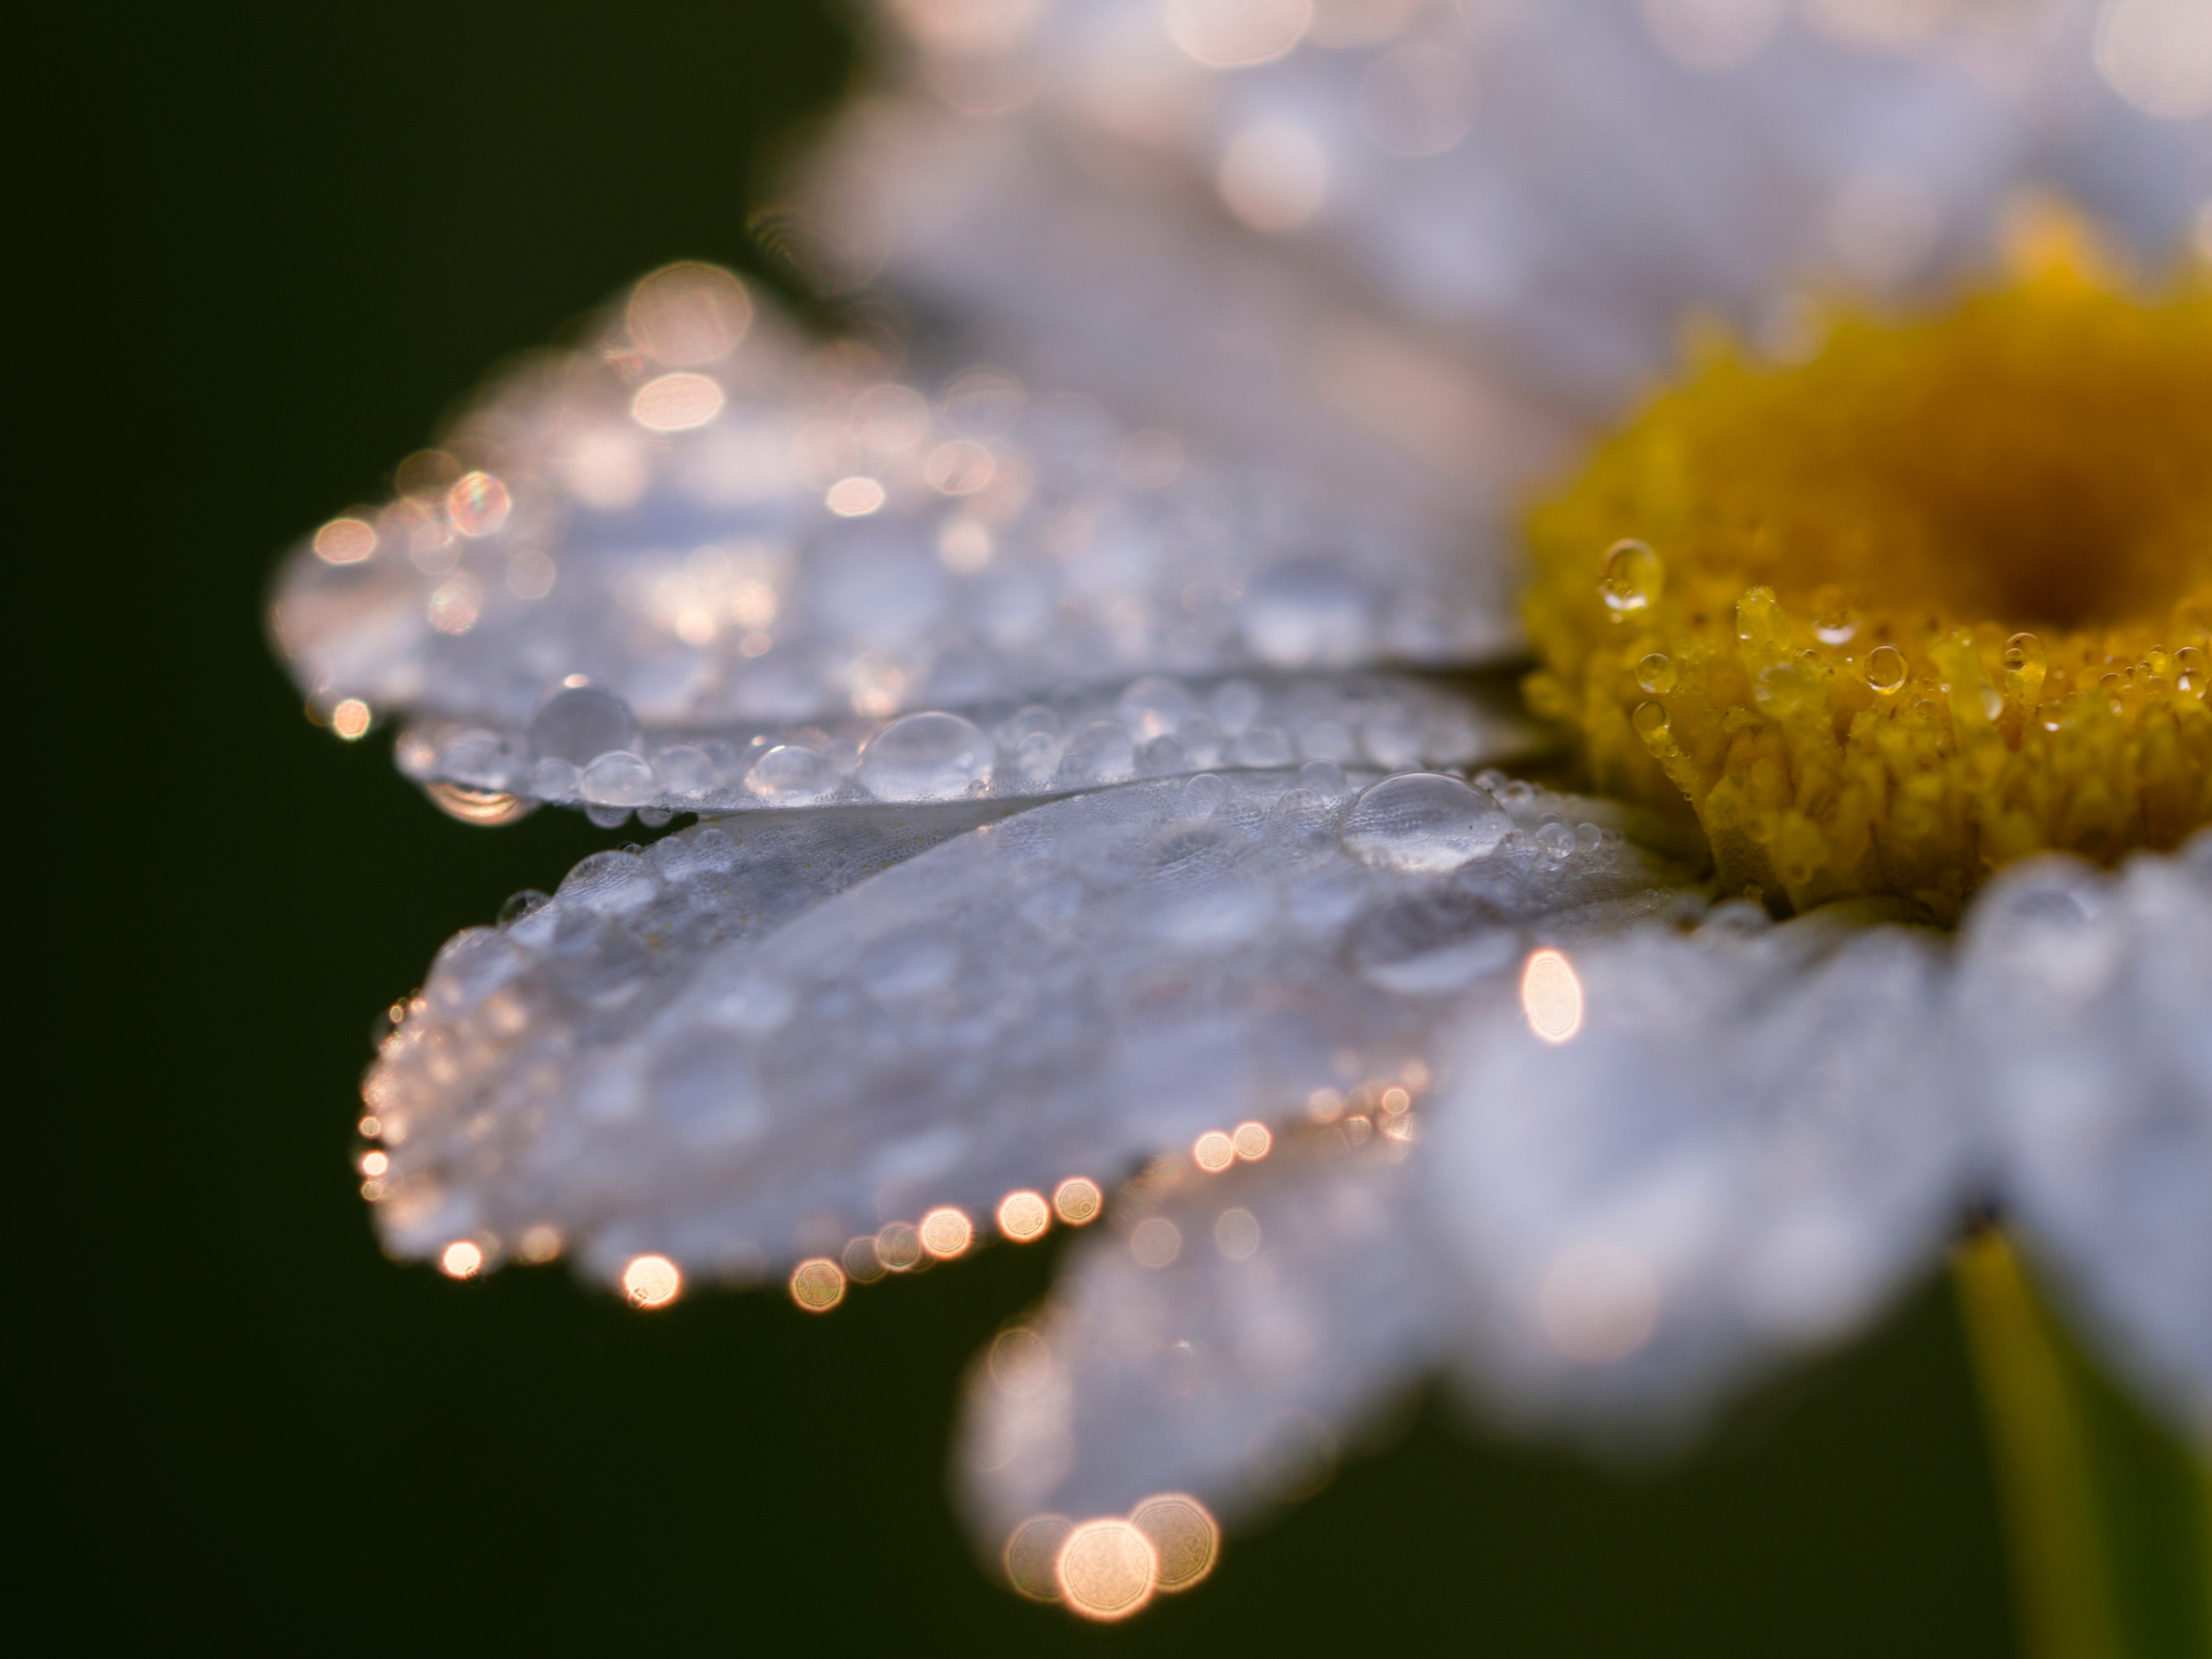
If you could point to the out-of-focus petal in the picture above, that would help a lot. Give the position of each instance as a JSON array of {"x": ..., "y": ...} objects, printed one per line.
[
  {"x": 657, "y": 570},
  {"x": 1683, "y": 1159},
  {"x": 1223, "y": 1339},
  {"x": 1061, "y": 994},
  {"x": 2086, "y": 999},
  {"x": 1283, "y": 220}
]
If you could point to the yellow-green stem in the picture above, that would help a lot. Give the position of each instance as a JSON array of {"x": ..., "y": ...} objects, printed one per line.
[{"x": 2108, "y": 1518}]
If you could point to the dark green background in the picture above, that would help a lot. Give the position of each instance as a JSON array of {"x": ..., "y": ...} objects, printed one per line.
[{"x": 286, "y": 239}]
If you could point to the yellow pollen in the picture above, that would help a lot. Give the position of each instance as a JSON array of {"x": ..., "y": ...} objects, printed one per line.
[{"x": 1888, "y": 619}]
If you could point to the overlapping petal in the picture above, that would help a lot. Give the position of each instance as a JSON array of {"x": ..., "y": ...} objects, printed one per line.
[{"x": 683, "y": 1055}]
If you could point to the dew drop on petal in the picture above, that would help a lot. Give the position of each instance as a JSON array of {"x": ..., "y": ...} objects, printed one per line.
[
  {"x": 1030, "y": 1553},
  {"x": 932, "y": 757},
  {"x": 1186, "y": 1539},
  {"x": 651, "y": 1281},
  {"x": 1023, "y": 1216},
  {"x": 946, "y": 1233},
  {"x": 1423, "y": 823},
  {"x": 817, "y": 1284},
  {"x": 460, "y": 1259},
  {"x": 1077, "y": 1201},
  {"x": 1107, "y": 1570},
  {"x": 791, "y": 775}
]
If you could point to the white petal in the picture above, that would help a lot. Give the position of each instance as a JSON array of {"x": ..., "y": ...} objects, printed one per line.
[
  {"x": 1535, "y": 194},
  {"x": 1299, "y": 1297},
  {"x": 2086, "y": 999},
  {"x": 1062, "y": 741},
  {"x": 1063, "y": 993},
  {"x": 821, "y": 549},
  {"x": 1732, "y": 1147}
]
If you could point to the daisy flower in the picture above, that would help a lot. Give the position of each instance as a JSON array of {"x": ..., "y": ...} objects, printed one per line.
[{"x": 1109, "y": 814}]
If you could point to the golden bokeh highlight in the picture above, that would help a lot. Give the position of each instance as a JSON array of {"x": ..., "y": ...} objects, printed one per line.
[
  {"x": 539, "y": 1244},
  {"x": 1552, "y": 996},
  {"x": 1106, "y": 1570},
  {"x": 1252, "y": 1141},
  {"x": 345, "y": 541},
  {"x": 1934, "y": 600},
  {"x": 1077, "y": 1201},
  {"x": 946, "y": 1233},
  {"x": 677, "y": 403},
  {"x": 460, "y": 1259},
  {"x": 351, "y": 719},
  {"x": 1156, "y": 1242},
  {"x": 817, "y": 1284},
  {"x": 1031, "y": 1554},
  {"x": 1213, "y": 1152},
  {"x": 898, "y": 1246},
  {"x": 862, "y": 1265},
  {"x": 1023, "y": 1216},
  {"x": 689, "y": 312},
  {"x": 1186, "y": 1538},
  {"x": 651, "y": 1281}
]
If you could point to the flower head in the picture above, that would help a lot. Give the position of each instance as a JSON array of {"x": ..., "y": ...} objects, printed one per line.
[{"x": 1076, "y": 848}]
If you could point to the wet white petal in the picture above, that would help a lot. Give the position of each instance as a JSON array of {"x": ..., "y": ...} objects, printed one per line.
[
  {"x": 1060, "y": 994},
  {"x": 2085, "y": 997},
  {"x": 1360, "y": 237},
  {"x": 821, "y": 549},
  {"x": 584, "y": 748},
  {"x": 1301, "y": 1298},
  {"x": 1732, "y": 1146}
]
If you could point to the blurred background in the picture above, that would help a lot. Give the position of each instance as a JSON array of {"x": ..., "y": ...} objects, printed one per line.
[{"x": 285, "y": 239}]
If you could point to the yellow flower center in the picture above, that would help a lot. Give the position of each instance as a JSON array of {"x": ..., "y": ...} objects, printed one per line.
[{"x": 1889, "y": 618}]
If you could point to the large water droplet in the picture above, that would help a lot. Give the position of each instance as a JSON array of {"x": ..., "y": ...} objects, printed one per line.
[
  {"x": 932, "y": 756},
  {"x": 579, "y": 724},
  {"x": 1656, "y": 673},
  {"x": 791, "y": 775},
  {"x": 1423, "y": 823},
  {"x": 620, "y": 779},
  {"x": 1885, "y": 670},
  {"x": 1650, "y": 720},
  {"x": 1632, "y": 578}
]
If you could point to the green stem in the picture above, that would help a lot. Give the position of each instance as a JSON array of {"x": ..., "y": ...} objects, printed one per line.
[{"x": 2108, "y": 1517}]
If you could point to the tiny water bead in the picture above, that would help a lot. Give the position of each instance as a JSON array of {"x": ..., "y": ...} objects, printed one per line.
[{"x": 1930, "y": 599}]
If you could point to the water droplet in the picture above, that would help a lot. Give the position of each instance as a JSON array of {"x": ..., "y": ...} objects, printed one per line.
[
  {"x": 1555, "y": 841},
  {"x": 1263, "y": 746},
  {"x": 491, "y": 807},
  {"x": 1834, "y": 621},
  {"x": 620, "y": 779},
  {"x": 1656, "y": 672},
  {"x": 1632, "y": 579},
  {"x": 1324, "y": 777},
  {"x": 1155, "y": 708},
  {"x": 1038, "y": 755},
  {"x": 2189, "y": 668},
  {"x": 1423, "y": 823},
  {"x": 791, "y": 775},
  {"x": 1885, "y": 670},
  {"x": 2022, "y": 651},
  {"x": 1202, "y": 795},
  {"x": 579, "y": 724},
  {"x": 932, "y": 757},
  {"x": 527, "y": 903},
  {"x": 1650, "y": 720},
  {"x": 1101, "y": 752}
]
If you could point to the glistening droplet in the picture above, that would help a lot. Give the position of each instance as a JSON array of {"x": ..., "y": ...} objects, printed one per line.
[
  {"x": 1632, "y": 578},
  {"x": 1886, "y": 670},
  {"x": 1423, "y": 823},
  {"x": 932, "y": 756},
  {"x": 1656, "y": 672}
]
